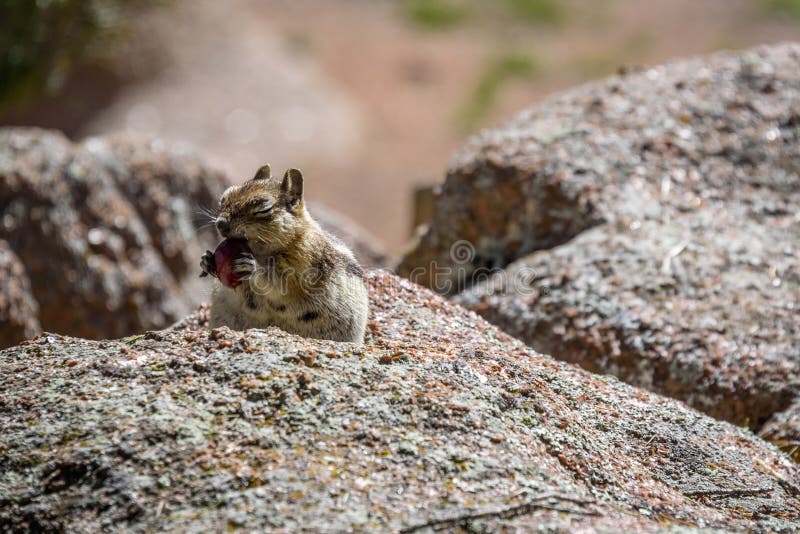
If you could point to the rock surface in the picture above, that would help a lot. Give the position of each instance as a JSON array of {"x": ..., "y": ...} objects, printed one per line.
[
  {"x": 671, "y": 197},
  {"x": 106, "y": 229},
  {"x": 18, "y": 309},
  {"x": 712, "y": 330},
  {"x": 438, "y": 419}
]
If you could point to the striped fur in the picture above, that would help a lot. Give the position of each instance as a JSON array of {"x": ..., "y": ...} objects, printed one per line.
[{"x": 299, "y": 277}]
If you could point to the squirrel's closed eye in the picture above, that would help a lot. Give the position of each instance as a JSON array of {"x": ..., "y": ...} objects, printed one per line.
[{"x": 263, "y": 210}]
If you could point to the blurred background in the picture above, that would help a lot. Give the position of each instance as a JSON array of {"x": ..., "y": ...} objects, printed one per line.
[{"x": 369, "y": 97}]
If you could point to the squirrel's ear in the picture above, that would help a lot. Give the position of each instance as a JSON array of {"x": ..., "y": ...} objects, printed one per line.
[
  {"x": 292, "y": 186},
  {"x": 264, "y": 173}
]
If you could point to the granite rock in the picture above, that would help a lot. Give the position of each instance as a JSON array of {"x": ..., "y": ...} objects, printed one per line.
[
  {"x": 645, "y": 226},
  {"x": 18, "y": 309},
  {"x": 439, "y": 420}
]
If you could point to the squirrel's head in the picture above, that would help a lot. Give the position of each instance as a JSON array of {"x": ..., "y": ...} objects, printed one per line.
[{"x": 267, "y": 212}]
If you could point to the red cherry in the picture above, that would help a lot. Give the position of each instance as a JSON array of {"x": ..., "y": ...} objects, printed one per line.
[{"x": 224, "y": 256}]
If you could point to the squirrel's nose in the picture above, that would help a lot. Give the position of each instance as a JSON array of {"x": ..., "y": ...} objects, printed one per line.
[{"x": 224, "y": 226}]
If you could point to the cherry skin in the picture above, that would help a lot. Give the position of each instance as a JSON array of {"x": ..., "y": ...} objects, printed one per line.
[{"x": 225, "y": 254}]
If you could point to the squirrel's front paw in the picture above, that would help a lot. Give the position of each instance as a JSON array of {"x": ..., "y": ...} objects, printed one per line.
[
  {"x": 245, "y": 266},
  {"x": 208, "y": 265}
]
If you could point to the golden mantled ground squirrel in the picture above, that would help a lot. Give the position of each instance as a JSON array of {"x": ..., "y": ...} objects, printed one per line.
[{"x": 296, "y": 276}]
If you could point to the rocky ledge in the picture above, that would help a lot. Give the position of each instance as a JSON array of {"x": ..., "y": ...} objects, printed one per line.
[{"x": 438, "y": 421}]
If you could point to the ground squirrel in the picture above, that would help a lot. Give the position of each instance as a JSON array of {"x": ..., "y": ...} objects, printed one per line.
[{"x": 296, "y": 276}]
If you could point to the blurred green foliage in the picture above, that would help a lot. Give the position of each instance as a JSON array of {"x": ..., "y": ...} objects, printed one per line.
[
  {"x": 502, "y": 69},
  {"x": 42, "y": 40},
  {"x": 789, "y": 7},
  {"x": 436, "y": 14},
  {"x": 445, "y": 14},
  {"x": 537, "y": 11},
  {"x": 507, "y": 18}
]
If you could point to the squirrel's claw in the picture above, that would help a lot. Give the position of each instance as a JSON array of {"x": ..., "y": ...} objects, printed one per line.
[
  {"x": 245, "y": 265},
  {"x": 208, "y": 265}
]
